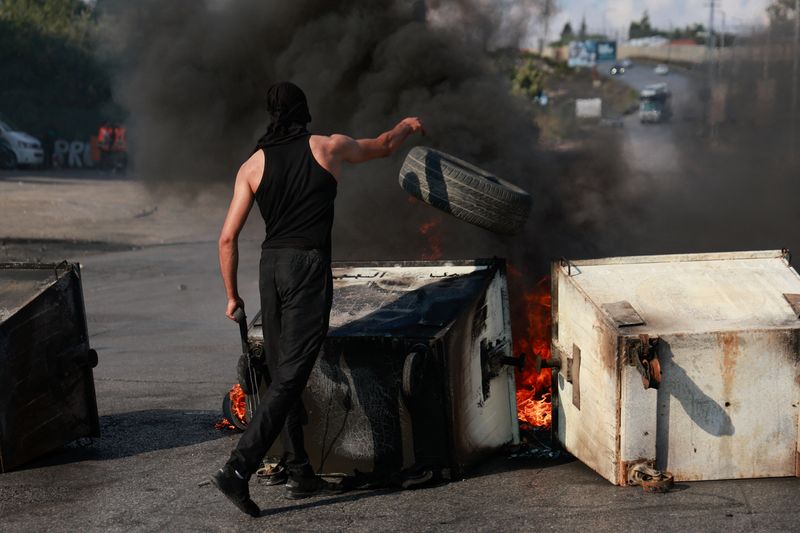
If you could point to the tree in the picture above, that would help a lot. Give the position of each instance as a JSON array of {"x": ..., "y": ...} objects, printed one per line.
[
  {"x": 546, "y": 8},
  {"x": 51, "y": 78},
  {"x": 642, "y": 28},
  {"x": 781, "y": 10},
  {"x": 567, "y": 34},
  {"x": 528, "y": 80},
  {"x": 582, "y": 31},
  {"x": 63, "y": 19}
]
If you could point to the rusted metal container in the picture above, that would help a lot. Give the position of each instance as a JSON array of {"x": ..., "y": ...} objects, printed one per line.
[
  {"x": 417, "y": 369},
  {"x": 685, "y": 362},
  {"x": 47, "y": 396}
]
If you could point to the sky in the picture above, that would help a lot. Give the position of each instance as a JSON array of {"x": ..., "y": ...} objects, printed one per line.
[{"x": 663, "y": 13}]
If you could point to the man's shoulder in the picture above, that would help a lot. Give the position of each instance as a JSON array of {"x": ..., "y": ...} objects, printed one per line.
[
  {"x": 253, "y": 169},
  {"x": 254, "y": 162},
  {"x": 331, "y": 141}
]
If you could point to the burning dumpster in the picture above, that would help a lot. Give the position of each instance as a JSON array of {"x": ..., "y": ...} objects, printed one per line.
[
  {"x": 684, "y": 363},
  {"x": 47, "y": 396},
  {"x": 416, "y": 371}
]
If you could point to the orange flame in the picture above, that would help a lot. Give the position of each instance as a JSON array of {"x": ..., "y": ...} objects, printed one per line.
[
  {"x": 223, "y": 423},
  {"x": 238, "y": 408},
  {"x": 431, "y": 231},
  {"x": 532, "y": 337}
]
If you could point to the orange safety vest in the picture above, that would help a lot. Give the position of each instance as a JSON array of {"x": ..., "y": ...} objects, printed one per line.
[
  {"x": 120, "y": 143},
  {"x": 104, "y": 138}
]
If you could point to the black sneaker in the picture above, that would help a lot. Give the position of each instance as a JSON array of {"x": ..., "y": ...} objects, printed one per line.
[
  {"x": 304, "y": 487},
  {"x": 235, "y": 489}
]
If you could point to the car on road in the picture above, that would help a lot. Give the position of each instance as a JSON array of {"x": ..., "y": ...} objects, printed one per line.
[
  {"x": 661, "y": 69},
  {"x": 27, "y": 148},
  {"x": 617, "y": 69},
  {"x": 626, "y": 63}
]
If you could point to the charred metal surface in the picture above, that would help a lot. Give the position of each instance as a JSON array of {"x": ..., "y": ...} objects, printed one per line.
[
  {"x": 47, "y": 396},
  {"x": 416, "y": 369}
]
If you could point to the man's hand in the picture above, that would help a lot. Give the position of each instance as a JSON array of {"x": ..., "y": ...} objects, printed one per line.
[
  {"x": 233, "y": 304},
  {"x": 415, "y": 124}
]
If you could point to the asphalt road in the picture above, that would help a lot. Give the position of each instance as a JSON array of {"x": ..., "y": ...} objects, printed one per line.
[
  {"x": 167, "y": 355},
  {"x": 653, "y": 151}
]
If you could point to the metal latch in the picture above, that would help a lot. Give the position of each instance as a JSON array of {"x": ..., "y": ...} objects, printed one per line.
[
  {"x": 642, "y": 352},
  {"x": 568, "y": 365},
  {"x": 493, "y": 359}
]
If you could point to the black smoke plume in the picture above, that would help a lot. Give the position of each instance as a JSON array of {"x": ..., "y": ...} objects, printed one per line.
[{"x": 193, "y": 76}]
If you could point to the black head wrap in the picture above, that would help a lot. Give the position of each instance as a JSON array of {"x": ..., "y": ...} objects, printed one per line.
[{"x": 288, "y": 112}]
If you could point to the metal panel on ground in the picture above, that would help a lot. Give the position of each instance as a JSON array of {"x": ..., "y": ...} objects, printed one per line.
[
  {"x": 47, "y": 396},
  {"x": 415, "y": 370},
  {"x": 690, "y": 363}
]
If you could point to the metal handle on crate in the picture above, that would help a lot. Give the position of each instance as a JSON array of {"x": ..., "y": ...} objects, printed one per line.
[
  {"x": 241, "y": 319},
  {"x": 412, "y": 366},
  {"x": 564, "y": 262}
]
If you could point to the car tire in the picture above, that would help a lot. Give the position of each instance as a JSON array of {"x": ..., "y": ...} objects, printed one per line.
[
  {"x": 8, "y": 160},
  {"x": 464, "y": 190},
  {"x": 227, "y": 412}
]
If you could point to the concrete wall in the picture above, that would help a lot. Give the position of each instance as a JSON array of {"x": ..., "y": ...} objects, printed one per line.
[
  {"x": 695, "y": 53},
  {"x": 686, "y": 53}
]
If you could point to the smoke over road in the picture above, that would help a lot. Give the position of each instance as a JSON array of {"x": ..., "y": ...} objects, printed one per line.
[
  {"x": 733, "y": 186},
  {"x": 194, "y": 77}
]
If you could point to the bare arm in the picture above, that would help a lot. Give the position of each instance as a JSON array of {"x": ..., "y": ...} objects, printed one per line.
[
  {"x": 351, "y": 150},
  {"x": 234, "y": 222}
]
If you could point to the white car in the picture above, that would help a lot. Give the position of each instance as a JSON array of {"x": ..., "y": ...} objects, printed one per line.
[
  {"x": 27, "y": 149},
  {"x": 661, "y": 69}
]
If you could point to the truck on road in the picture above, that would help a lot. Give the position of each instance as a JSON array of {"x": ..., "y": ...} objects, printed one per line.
[{"x": 654, "y": 103}]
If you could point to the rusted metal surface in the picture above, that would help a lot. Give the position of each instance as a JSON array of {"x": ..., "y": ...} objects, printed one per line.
[
  {"x": 47, "y": 396},
  {"x": 717, "y": 330},
  {"x": 417, "y": 368},
  {"x": 623, "y": 314}
]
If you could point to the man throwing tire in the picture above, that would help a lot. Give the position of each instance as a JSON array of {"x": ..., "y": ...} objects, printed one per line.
[{"x": 292, "y": 175}]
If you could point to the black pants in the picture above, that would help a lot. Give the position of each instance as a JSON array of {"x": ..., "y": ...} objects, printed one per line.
[{"x": 296, "y": 292}]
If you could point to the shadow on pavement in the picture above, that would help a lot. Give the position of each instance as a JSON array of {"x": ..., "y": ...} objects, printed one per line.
[
  {"x": 138, "y": 432},
  {"x": 344, "y": 498}
]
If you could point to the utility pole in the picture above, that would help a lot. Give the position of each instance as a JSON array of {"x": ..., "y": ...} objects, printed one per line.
[
  {"x": 712, "y": 4},
  {"x": 721, "y": 45},
  {"x": 794, "y": 74},
  {"x": 548, "y": 8},
  {"x": 710, "y": 41}
]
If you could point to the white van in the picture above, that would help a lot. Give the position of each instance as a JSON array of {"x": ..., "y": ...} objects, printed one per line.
[{"x": 27, "y": 149}]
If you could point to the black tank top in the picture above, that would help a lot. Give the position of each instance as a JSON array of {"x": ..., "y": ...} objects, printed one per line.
[{"x": 296, "y": 198}]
